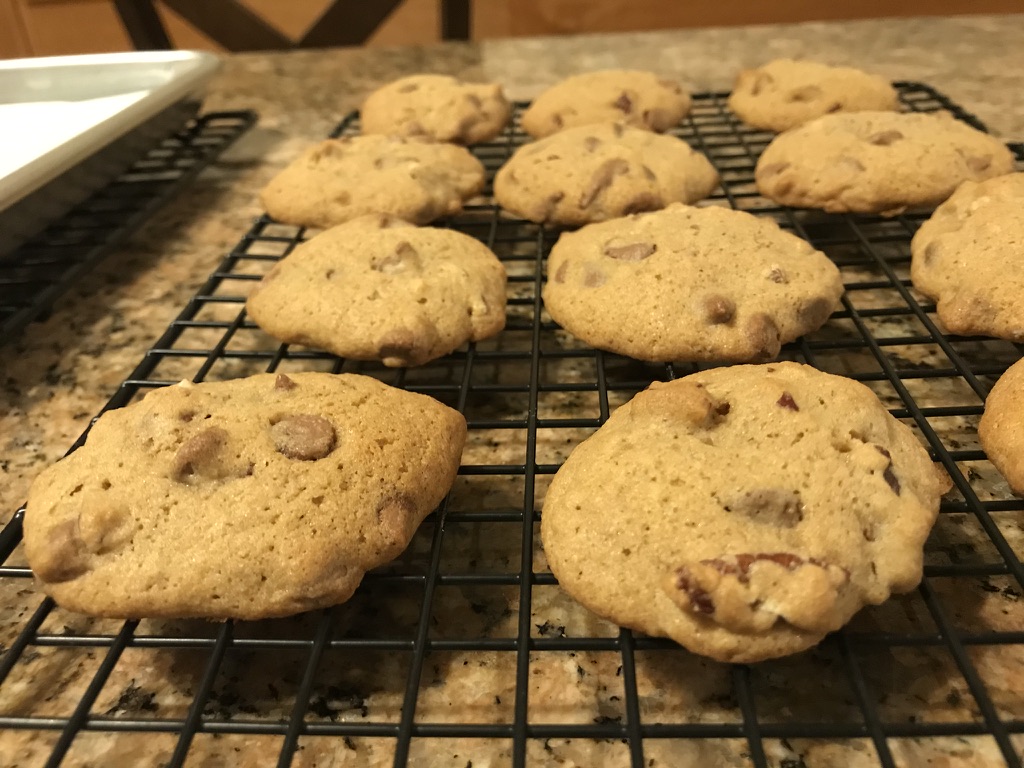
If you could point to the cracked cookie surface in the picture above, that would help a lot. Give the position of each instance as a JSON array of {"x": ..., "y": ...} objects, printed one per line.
[
  {"x": 599, "y": 172},
  {"x": 379, "y": 288},
  {"x": 437, "y": 107},
  {"x": 341, "y": 179},
  {"x": 785, "y": 93},
  {"x": 969, "y": 257},
  {"x": 690, "y": 284},
  {"x": 744, "y": 512},
  {"x": 877, "y": 162},
  {"x": 252, "y": 498},
  {"x": 632, "y": 97}
]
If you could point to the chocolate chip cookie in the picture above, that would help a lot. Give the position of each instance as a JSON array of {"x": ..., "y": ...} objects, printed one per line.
[
  {"x": 436, "y": 107},
  {"x": 378, "y": 288},
  {"x": 340, "y": 179},
  {"x": 877, "y": 162},
  {"x": 785, "y": 93},
  {"x": 1001, "y": 428},
  {"x": 244, "y": 499},
  {"x": 744, "y": 512},
  {"x": 598, "y": 172},
  {"x": 636, "y": 98},
  {"x": 689, "y": 283},
  {"x": 969, "y": 256}
]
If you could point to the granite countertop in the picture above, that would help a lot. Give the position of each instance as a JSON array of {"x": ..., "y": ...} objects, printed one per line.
[{"x": 61, "y": 371}]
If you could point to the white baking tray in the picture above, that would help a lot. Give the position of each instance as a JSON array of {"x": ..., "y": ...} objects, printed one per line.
[{"x": 71, "y": 124}]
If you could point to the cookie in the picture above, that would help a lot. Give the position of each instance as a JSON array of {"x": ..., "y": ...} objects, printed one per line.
[
  {"x": 436, "y": 107},
  {"x": 877, "y": 162},
  {"x": 969, "y": 256},
  {"x": 598, "y": 172},
  {"x": 786, "y": 93},
  {"x": 1001, "y": 428},
  {"x": 244, "y": 499},
  {"x": 687, "y": 283},
  {"x": 341, "y": 179},
  {"x": 378, "y": 288},
  {"x": 744, "y": 512},
  {"x": 636, "y": 98}
]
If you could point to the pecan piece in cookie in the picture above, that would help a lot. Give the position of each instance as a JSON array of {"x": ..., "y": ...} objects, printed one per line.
[
  {"x": 773, "y": 506},
  {"x": 303, "y": 436},
  {"x": 750, "y": 592}
]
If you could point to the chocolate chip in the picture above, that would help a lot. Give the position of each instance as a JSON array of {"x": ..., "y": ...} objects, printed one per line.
[
  {"x": 723, "y": 408},
  {"x": 283, "y": 382},
  {"x": 772, "y": 168},
  {"x": 409, "y": 88},
  {"x": 787, "y": 401},
  {"x": 777, "y": 275},
  {"x": 395, "y": 514},
  {"x": 931, "y": 251},
  {"x": 624, "y": 103},
  {"x": 591, "y": 143},
  {"x": 629, "y": 251},
  {"x": 560, "y": 272},
  {"x": 303, "y": 436},
  {"x": 593, "y": 278},
  {"x": 602, "y": 179},
  {"x": 979, "y": 164},
  {"x": 648, "y": 173},
  {"x": 198, "y": 457},
  {"x": 557, "y": 120},
  {"x": 618, "y": 129},
  {"x": 885, "y": 138},
  {"x": 397, "y": 347},
  {"x": 815, "y": 311},
  {"x": 187, "y": 416},
  {"x": 763, "y": 335},
  {"x": 776, "y": 506},
  {"x": 804, "y": 94},
  {"x": 718, "y": 309}
]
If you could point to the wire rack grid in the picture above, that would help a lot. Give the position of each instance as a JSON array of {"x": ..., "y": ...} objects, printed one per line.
[
  {"x": 464, "y": 652},
  {"x": 34, "y": 277}
]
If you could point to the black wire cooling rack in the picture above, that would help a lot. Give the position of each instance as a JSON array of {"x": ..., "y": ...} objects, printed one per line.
[
  {"x": 34, "y": 277},
  {"x": 465, "y": 653}
]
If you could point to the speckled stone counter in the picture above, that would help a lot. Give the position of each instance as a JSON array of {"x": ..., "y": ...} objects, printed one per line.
[{"x": 58, "y": 373}]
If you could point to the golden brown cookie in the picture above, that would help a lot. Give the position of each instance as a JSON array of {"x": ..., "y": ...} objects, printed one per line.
[
  {"x": 689, "y": 283},
  {"x": 378, "y": 288},
  {"x": 785, "y": 93},
  {"x": 341, "y": 179},
  {"x": 436, "y": 107},
  {"x": 635, "y": 98},
  {"x": 969, "y": 256},
  {"x": 877, "y": 162},
  {"x": 599, "y": 172},
  {"x": 245, "y": 499},
  {"x": 1001, "y": 428},
  {"x": 744, "y": 512}
]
